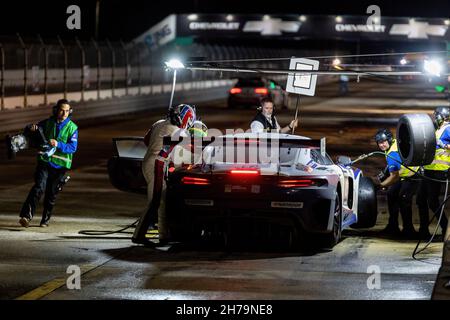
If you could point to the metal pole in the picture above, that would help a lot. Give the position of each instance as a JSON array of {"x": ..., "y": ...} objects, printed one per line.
[
  {"x": 65, "y": 66},
  {"x": 173, "y": 87},
  {"x": 296, "y": 111},
  {"x": 97, "y": 18},
  {"x": 45, "y": 69},
  {"x": 99, "y": 59},
  {"x": 25, "y": 68},
  {"x": 82, "y": 67},
  {"x": 2, "y": 77},
  {"x": 139, "y": 70},
  {"x": 151, "y": 71},
  {"x": 113, "y": 66},
  {"x": 126, "y": 67}
]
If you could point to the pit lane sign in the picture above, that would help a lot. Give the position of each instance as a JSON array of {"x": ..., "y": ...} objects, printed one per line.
[{"x": 302, "y": 84}]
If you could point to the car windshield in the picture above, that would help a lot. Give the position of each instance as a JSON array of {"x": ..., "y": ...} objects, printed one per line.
[{"x": 252, "y": 154}]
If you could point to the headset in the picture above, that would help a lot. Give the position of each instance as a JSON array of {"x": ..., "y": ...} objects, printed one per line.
[
  {"x": 58, "y": 104},
  {"x": 264, "y": 100}
]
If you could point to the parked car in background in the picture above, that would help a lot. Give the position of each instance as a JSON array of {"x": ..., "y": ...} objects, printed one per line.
[{"x": 248, "y": 92}]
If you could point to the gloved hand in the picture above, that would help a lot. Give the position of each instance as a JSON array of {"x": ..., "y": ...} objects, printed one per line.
[{"x": 377, "y": 184}]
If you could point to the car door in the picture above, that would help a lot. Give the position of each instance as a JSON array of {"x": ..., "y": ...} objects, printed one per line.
[{"x": 125, "y": 167}]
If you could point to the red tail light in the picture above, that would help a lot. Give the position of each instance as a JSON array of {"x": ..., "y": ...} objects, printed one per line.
[
  {"x": 261, "y": 90},
  {"x": 171, "y": 169},
  {"x": 300, "y": 183},
  {"x": 235, "y": 90},
  {"x": 195, "y": 181},
  {"x": 244, "y": 172}
]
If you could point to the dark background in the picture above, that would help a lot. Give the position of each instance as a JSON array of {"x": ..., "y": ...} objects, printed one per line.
[{"x": 125, "y": 19}]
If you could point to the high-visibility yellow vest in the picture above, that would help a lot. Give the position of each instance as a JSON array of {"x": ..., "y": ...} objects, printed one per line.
[
  {"x": 404, "y": 172},
  {"x": 441, "y": 160}
]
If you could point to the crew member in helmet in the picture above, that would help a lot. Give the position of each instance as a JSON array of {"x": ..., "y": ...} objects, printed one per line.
[
  {"x": 179, "y": 119},
  {"x": 429, "y": 190},
  {"x": 402, "y": 185},
  {"x": 265, "y": 120}
]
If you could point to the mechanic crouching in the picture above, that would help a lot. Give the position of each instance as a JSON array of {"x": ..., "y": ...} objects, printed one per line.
[
  {"x": 53, "y": 162},
  {"x": 402, "y": 184}
]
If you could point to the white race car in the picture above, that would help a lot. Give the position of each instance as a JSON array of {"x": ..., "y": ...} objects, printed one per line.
[{"x": 265, "y": 185}]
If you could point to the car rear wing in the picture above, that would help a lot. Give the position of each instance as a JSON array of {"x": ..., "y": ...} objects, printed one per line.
[
  {"x": 129, "y": 147},
  {"x": 168, "y": 141}
]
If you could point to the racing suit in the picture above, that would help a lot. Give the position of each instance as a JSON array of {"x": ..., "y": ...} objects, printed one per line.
[{"x": 153, "y": 173}]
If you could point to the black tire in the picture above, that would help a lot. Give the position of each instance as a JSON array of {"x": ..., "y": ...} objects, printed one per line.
[
  {"x": 416, "y": 139},
  {"x": 331, "y": 239},
  {"x": 367, "y": 204}
]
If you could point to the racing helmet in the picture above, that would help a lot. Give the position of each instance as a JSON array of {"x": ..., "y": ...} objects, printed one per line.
[
  {"x": 441, "y": 115},
  {"x": 384, "y": 135},
  {"x": 182, "y": 115},
  {"x": 198, "y": 129}
]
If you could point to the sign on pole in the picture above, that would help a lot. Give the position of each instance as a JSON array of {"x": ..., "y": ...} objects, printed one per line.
[{"x": 302, "y": 84}]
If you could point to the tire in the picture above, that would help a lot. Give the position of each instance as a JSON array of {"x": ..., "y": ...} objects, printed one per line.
[
  {"x": 331, "y": 239},
  {"x": 416, "y": 139},
  {"x": 367, "y": 204}
]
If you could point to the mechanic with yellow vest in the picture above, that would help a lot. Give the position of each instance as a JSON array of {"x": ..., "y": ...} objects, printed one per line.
[
  {"x": 429, "y": 190},
  {"x": 402, "y": 185},
  {"x": 54, "y": 159}
]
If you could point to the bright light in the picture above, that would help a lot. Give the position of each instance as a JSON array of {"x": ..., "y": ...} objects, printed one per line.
[
  {"x": 230, "y": 17},
  {"x": 192, "y": 17},
  {"x": 403, "y": 61},
  {"x": 376, "y": 20},
  {"x": 174, "y": 64},
  {"x": 302, "y": 18},
  {"x": 447, "y": 22},
  {"x": 433, "y": 67},
  {"x": 266, "y": 17},
  {"x": 338, "y": 19},
  {"x": 336, "y": 62}
]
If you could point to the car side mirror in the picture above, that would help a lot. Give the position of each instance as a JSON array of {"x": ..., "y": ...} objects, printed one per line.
[{"x": 344, "y": 160}]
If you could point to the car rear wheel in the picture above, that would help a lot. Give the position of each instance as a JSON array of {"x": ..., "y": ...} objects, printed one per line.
[
  {"x": 367, "y": 204},
  {"x": 331, "y": 239}
]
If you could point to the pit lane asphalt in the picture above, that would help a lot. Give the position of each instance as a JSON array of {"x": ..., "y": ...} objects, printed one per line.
[{"x": 113, "y": 268}]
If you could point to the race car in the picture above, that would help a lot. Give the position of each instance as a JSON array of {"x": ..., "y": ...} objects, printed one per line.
[{"x": 265, "y": 186}]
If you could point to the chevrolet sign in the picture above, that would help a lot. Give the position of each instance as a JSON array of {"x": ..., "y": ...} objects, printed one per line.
[
  {"x": 214, "y": 25},
  {"x": 340, "y": 27}
]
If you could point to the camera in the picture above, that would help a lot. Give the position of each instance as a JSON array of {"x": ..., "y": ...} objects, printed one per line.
[{"x": 27, "y": 139}]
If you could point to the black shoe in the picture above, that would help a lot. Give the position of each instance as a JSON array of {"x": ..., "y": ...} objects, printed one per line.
[
  {"x": 24, "y": 222},
  {"x": 424, "y": 234},
  {"x": 410, "y": 234},
  {"x": 391, "y": 231}
]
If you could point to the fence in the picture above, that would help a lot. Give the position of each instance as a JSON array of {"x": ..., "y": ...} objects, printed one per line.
[{"x": 30, "y": 67}]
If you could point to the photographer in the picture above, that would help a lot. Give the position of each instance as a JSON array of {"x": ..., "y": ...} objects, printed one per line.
[{"x": 54, "y": 159}]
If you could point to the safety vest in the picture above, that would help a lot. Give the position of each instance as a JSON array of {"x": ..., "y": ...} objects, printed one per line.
[
  {"x": 59, "y": 158},
  {"x": 268, "y": 126},
  {"x": 404, "y": 172},
  {"x": 441, "y": 160}
]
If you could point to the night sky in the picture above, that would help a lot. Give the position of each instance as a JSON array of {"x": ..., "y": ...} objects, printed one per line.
[{"x": 120, "y": 19}]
